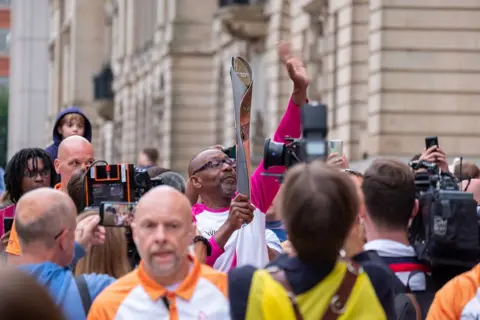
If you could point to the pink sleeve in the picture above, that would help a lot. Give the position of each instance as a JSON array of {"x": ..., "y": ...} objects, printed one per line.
[
  {"x": 264, "y": 189},
  {"x": 216, "y": 252}
]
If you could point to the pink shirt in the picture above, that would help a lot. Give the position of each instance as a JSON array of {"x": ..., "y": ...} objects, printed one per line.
[{"x": 238, "y": 250}]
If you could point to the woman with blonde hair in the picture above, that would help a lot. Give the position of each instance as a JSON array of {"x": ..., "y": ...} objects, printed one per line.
[{"x": 110, "y": 258}]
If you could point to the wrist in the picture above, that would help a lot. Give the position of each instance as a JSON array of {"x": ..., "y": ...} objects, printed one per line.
[
  {"x": 229, "y": 227},
  {"x": 202, "y": 241},
  {"x": 299, "y": 96}
]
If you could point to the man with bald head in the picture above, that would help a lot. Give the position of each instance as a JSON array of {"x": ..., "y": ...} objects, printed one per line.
[
  {"x": 47, "y": 231},
  {"x": 169, "y": 282},
  {"x": 233, "y": 225},
  {"x": 74, "y": 153}
]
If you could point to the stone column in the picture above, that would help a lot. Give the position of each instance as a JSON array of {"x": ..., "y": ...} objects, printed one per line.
[
  {"x": 279, "y": 87},
  {"x": 424, "y": 76},
  {"x": 345, "y": 77},
  {"x": 188, "y": 77},
  {"x": 29, "y": 75}
]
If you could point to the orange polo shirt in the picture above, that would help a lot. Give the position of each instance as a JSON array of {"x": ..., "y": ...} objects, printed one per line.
[
  {"x": 201, "y": 295},
  {"x": 13, "y": 246}
]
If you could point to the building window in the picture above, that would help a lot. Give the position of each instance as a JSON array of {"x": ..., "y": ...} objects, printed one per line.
[{"x": 4, "y": 40}]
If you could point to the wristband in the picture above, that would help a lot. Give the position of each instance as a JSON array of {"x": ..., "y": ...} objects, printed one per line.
[{"x": 205, "y": 242}]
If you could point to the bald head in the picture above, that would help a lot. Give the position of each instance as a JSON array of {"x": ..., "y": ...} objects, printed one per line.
[
  {"x": 163, "y": 230},
  {"x": 203, "y": 157},
  {"x": 168, "y": 199},
  {"x": 473, "y": 187},
  {"x": 74, "y": 153},
  {"x": 70, "y": 144},
  {"x": 41, "y": 214}
]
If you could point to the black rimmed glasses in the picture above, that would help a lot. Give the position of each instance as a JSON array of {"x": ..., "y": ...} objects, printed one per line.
[
  {"x": 215, "y": 164},
  {"x": 32, "y": 174}
]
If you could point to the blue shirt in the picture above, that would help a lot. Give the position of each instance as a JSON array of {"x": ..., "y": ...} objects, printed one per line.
[{"x": 61, "y": 284}]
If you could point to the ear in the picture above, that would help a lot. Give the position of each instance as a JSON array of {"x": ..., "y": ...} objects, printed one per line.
[
  {"x": 415, "y": 209},
  {"x": 196, "y": 182},
  {"x": 193, "y": 231},
  {"x": 56, "y": 164},
  {"x": 59, "y": 129},
  {"x": 133, "y": 227},
  {"x": 63, "y": 240}
]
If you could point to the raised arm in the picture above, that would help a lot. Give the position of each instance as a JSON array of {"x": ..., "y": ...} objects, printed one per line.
[{"x": 265, "y": 188}]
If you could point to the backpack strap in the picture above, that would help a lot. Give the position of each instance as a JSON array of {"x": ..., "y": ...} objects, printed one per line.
[
  {"x": 84, "y": 293},
  {"x": 418, "y": 310},
  {"x": 339, "y": 299},
  {"x": 279, "y": 275}
]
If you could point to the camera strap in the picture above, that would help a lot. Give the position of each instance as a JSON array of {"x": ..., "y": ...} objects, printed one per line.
[{"x": 84, "y": 293}]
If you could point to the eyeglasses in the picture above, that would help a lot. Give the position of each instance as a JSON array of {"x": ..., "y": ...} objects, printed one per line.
[
  {"x": 34, "y": 173},
  {"x": 215, "y": 164},
  {"x": 353, "y": 172},
  {"x": 59, "y": 234}
]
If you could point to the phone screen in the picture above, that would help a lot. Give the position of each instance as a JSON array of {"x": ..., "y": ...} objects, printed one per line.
[
  {"x": 431, "y": 141},
  {"x": 336, "y": 146},
  {"x": 117, "y": 214},
  {"x": 7, "y": 224}
]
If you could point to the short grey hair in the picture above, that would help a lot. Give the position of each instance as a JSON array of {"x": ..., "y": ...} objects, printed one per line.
[{"x": 46, "y": 226}]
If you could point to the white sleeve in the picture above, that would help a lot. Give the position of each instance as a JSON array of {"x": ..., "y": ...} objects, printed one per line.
[{"x": 272, "y": 241}]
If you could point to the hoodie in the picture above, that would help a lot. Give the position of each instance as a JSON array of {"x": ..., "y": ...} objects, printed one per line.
[
  {"x": 61, "y": 284},
  {"x": 52, "y": 150}
]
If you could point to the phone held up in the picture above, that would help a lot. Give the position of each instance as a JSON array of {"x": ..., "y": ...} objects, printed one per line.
[
  {"x": 117, "y": 214},
  {"x": 430, "y": 142},
  {"x": 336, "y": 146}
]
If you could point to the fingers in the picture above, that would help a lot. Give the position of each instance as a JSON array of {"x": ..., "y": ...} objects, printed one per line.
[
  {"x": 332, "y": 156},
  {"x": 284, "y": 51},
  {"x": 90, "y": 223},
  {"x": 242, "y": 206},
  {"x": 241, "y": 198}
]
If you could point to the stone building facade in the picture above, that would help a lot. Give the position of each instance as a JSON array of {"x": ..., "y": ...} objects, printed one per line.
[{"x": 390, "y": 71}]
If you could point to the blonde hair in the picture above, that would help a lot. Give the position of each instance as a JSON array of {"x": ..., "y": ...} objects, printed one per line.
[
  {"x": 109, "y": 258},
  {"x": 72, "y": 117}
]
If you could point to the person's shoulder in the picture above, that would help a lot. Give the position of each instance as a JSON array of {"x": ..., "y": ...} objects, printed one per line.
[
  {"x": 366, "y": 304},
  {"x": 107, "y": 288},
  {"x": 217, "y": 278}
]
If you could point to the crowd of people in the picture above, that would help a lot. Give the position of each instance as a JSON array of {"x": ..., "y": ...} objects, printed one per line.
[{"x": 328, "y": 243}]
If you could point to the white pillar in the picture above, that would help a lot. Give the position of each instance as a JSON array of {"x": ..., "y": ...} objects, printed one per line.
[{"x": 29, "y": 75}]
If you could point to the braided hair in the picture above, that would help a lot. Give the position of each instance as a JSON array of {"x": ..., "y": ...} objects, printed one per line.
[{"x": 15, "y": 170}]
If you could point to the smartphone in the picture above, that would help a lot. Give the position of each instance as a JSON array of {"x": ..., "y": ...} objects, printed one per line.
[
  {"x": 336, "y": 146},
  {"x": 7, "y": 224},
  {"x": 6, "y": 218},
  {"x": 117, "y": 214},
  {"x": 431, "y": 141}
]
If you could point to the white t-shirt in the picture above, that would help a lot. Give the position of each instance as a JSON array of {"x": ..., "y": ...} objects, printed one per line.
[{"x": 248, "y": 245}]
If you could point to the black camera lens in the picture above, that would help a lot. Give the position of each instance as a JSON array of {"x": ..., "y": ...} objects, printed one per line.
[{"x": 273, "y": 154}]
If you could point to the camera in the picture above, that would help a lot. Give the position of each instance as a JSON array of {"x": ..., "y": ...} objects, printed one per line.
[
  {"x": 445, "y": 232},
  {"x": 311, "y": 146},
  {"x": 116, "y": 182}
]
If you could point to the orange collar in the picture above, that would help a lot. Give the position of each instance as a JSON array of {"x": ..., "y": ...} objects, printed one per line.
[{"x": 184, "y": 291}]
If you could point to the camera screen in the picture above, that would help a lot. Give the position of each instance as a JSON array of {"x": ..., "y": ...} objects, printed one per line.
[
  {"x": 117, "y": 214},
  {"x": 102, "y": 192},
  {"x": 316, "y": 148}
]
